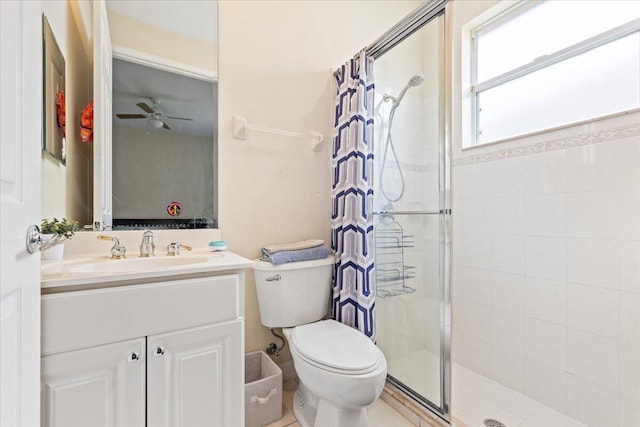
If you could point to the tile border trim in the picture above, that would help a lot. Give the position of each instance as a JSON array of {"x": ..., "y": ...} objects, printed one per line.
[{"x": 553, "y": 145}]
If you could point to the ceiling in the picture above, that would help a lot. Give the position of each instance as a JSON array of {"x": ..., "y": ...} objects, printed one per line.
[
  {"x": 197, "y": 19},
  {"x": 179, "y": 96}
]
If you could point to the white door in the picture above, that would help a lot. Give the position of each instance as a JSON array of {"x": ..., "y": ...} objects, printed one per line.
[
  {"x": 20, "y": 141},
  {"x": 102, "y": 84},
  {"x": 195, "y": 377},
  {"x": 100, "y": 386}
]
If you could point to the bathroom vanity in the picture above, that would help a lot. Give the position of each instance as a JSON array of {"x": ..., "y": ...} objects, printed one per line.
[{"x": 135, "y": 343}]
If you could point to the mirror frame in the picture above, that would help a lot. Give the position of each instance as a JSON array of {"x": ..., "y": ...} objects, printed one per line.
[{"x": 53, "y": 83}]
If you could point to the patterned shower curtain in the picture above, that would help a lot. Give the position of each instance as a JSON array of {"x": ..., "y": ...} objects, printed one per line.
[{"x": 352, "y": 192}]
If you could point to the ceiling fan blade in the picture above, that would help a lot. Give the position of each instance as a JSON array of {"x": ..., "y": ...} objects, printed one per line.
[
  {"x": 166, "y": 126},
  {"x": 131, "y": 116},
  {"x": 145, "y": 107},
  {"x": 179, "y": 118}
]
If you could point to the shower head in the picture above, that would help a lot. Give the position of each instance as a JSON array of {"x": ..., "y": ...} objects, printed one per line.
[
  {"x": 416, "y": 80},
  {"x": 413, "y": 82}
]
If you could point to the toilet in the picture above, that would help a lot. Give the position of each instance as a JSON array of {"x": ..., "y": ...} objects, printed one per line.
[{"x": 341, "y": 371}]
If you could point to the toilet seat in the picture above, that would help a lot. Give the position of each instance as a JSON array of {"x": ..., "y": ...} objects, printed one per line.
[{"x": 335, "y": 347}]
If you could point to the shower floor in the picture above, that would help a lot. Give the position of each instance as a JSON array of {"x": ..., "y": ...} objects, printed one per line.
[{"x": 475, "y": 397}]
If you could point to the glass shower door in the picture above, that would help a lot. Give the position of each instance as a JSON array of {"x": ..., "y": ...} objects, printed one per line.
[{"x": 411, "y": 251}]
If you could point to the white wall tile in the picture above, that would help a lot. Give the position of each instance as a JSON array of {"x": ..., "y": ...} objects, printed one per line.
[
  {"x": 546, "y": 343},
  {"x": 472, "y": 284},
  {"x": 630, "y": 370},
  {"x": 508, "y": 368},
  {"x": 508, "y": 330},
  {"x": 507, "y": 254},
  {"x": 546, "y": 215},
  {"x": 591, "y": 403},
  {"x": 472, "y": 216},
  {"x": 507, "y": 215},
  {"x": 594, "y": 262},
  {"x": 546, "y": 257},
  {"x": 592, "y": 357},
  {"x": 507, "y": 180},
  {"x": 472, "y": 250},
  {"x": 593, "y": 214},
  {"x": 629, "y": 217},
  {"x": 630, "y": 318},
  {"x": 629, "y": 411},
  {"x": 594, "y": 310},
  {"x": 546, "y": 384},
  {"x": 599, "y": 167},
  {"x": 546, "y": 300},
  {"x": 474, "y": 320},
  {"x": 507, "y": 292},
  {"x": 630, "y": 265},
  {"x": 477, "y": 355}
]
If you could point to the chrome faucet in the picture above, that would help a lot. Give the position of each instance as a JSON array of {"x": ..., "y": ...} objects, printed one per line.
[
  {"x": 118, "y": 250},
  {"x": 147, "y": 247}
]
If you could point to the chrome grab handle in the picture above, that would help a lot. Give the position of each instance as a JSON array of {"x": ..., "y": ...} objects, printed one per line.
[
  {"x": 275, "y": 278},
  {"x": 133, "y": 357},
  {"x": 159, "y": 351}
]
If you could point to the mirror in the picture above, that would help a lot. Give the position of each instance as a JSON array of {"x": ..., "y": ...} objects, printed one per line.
[
  {"x": 163, "y": 144},
  {"x": 130, "y": 164},
  {"x": 53, "y": 85}
]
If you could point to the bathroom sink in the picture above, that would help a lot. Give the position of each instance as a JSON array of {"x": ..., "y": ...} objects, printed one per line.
[{"x": 127, "y": 265}]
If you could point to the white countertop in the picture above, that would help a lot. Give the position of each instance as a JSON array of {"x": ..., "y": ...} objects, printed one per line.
[{"x": 92, "y": 270}]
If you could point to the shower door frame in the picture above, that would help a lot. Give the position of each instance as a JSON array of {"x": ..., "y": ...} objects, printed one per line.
[{"x": 420, "y": 17}]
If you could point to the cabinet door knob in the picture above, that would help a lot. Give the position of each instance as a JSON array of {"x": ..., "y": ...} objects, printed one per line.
[
  {"x": 159, "y": 351},
  {"x": 133, "y": 357}
]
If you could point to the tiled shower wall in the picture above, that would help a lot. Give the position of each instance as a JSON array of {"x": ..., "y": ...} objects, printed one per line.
[{"x": 546, "y": 270}]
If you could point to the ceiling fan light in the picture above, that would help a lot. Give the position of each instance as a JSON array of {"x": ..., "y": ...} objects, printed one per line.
[{"x": 156, "y": 123}]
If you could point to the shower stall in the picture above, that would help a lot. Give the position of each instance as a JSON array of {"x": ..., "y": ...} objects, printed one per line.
[{"x": 412, "y": 210}]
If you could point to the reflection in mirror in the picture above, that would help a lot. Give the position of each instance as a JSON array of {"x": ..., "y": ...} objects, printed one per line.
[
  {"x": 54, "y": 118},
  {"x": 163, "y": 148}
]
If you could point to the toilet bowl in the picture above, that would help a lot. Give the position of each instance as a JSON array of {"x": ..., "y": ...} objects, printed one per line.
[{"x": 340, "y": 370}]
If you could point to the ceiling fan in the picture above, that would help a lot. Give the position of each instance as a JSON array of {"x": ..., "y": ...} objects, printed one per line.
[{"x": 154, "y": 115}]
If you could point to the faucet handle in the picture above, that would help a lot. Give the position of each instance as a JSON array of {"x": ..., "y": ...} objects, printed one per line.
[
  {"x": 118, "y": 250},
  {"x": 174, "y": 248}
]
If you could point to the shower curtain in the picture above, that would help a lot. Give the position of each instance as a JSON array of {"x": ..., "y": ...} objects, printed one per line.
[{"x": 352, "y": 191}]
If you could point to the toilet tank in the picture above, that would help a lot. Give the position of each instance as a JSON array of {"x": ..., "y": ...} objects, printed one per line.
[{"x": 293, "y": 294}]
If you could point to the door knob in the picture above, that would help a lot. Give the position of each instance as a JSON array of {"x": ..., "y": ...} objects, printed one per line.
[
  {"x": 133, "y": 357},
  {"x": 159, "y": 351},
  {"x": 34, "y": 239}
]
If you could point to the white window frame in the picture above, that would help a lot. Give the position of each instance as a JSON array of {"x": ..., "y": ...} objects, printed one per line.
[{"x": 476, "y": 88}]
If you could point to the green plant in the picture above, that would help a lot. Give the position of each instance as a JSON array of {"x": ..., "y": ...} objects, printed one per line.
[{"x": 63, "y": 228}]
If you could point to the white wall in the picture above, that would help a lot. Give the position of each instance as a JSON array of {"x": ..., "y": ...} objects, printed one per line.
[
  {"x": 275, "y": 68},
  {"x": 546, "y": 275}
]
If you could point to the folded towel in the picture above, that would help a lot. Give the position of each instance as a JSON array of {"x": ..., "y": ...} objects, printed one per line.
[
  {"x": 304, "y": 244},
  {"x": 283, "y": 257}
]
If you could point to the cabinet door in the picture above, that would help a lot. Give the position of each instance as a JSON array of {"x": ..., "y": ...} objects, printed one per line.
[
  {"x": 97, "y": 386},
  {"x": 195, "y": 377}
]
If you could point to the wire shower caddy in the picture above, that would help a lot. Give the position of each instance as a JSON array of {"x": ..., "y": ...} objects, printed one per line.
[{"x": 391, "y": 271}]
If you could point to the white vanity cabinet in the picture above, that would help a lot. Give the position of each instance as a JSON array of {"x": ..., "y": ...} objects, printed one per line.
[
  {"x": 162, "y": 354},
  {"x": 97, "y": 386}
]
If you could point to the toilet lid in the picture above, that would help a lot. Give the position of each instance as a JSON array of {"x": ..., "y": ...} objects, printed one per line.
[{"x": 335, "y": 346}]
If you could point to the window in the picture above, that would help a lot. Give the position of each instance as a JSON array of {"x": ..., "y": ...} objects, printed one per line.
[{"x": 542, "y": 65}]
